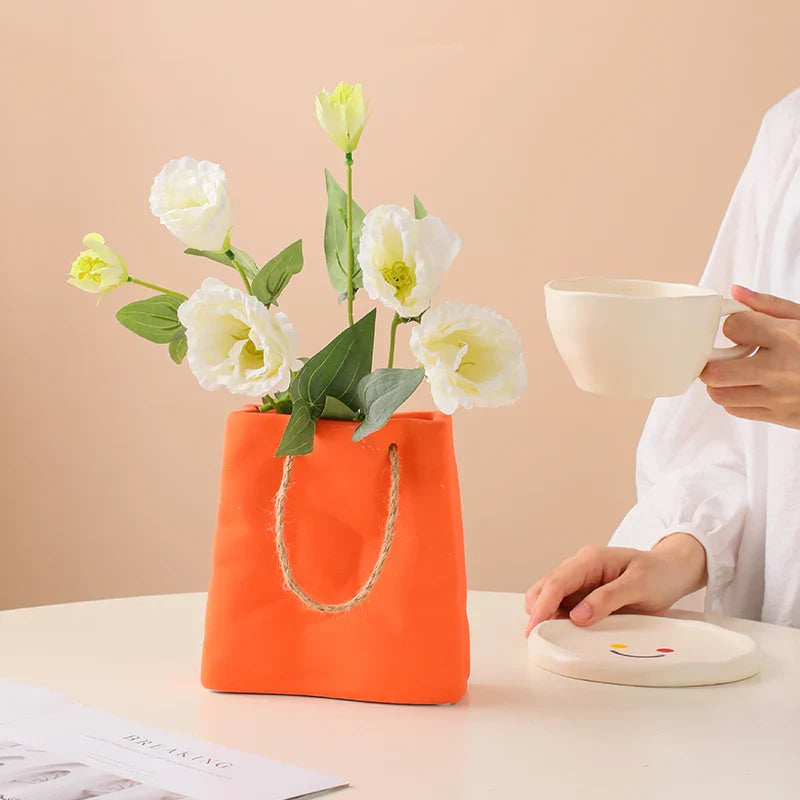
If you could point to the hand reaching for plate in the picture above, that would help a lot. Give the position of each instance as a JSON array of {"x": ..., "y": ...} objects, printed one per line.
[{"x": 601, "y": 580}]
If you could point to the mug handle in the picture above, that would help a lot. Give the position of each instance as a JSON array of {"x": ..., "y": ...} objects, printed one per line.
[{"x": 730, "y": 306}]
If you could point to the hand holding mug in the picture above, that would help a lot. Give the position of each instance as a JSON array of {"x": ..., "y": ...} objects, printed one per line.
[{"x": 766, "y": 386}]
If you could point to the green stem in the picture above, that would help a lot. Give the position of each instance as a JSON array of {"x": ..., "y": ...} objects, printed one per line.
[
  {"x": 267, "y": 404},
  {"x": 156, "y": 288},
  {"x": 348, "y": 159},
  {"x": 240, "y": 270},
  {"x": 393, "y": 337}
]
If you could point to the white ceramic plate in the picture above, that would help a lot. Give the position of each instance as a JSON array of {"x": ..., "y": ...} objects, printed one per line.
[{"x": 638, "y": 650}]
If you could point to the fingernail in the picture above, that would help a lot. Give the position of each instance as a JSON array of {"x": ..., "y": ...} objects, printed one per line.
[
  {"x": 744, "y": 290},
  {"x": 581, "y": 613},
  {"x": 531, "y": 626}
]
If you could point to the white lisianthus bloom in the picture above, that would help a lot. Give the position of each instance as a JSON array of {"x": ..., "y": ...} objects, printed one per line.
[
  {"x": 191, "y": 198},
  {"x": 471, "y": 355},
  {"x": 234, "y": 342},
  {"x": 343, "y": 114},
  {"x": 98, "y": 269},
  {"x": 402, "y": 259}
]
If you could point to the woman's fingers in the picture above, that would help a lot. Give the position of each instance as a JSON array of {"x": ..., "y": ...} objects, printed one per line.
[
  {"x": 568, "y": 578},
  {"x": 766, "y": 303},
  {"x": 532, "y": 595},
  {"x": 750, "y": 327},
  {"x": 580, "y": 574},
  {"x": 736, "y": 372},
  {"x": 739, "y": 396},
  {"x": 605, "y": 600},
  {"x": 563, "y": 610},
  {"x": 533, "y": 623}
]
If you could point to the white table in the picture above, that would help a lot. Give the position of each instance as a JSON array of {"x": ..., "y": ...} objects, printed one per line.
[{"x": 519, "y": 733}]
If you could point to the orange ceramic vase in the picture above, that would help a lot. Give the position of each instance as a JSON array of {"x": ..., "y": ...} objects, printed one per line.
[{"x": 407, "y": 641}]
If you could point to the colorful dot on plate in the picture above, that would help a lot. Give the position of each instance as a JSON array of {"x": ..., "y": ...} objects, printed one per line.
[
  {"x": 619, "y": 646},
  {"x": 665, "y": 650}
]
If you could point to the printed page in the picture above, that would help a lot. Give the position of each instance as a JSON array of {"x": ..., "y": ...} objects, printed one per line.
[
  {"x": 18, "y": 701},
  {"x": 74, "y": 753}
]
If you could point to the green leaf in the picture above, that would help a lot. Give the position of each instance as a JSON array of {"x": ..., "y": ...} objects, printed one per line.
[
  {"x": 419, "y": 209},
  {"x": 247, "y": 264},
  {"x": 336, "y": 409},
  {"x": 177, "y": 348},
  {"x": 336, "y": 370},
  {"x": 214, "y": 255},
  {"x": 336, "y": 236},
  {"x": 381, "y": 393},
  {"x": 271, "y": 280},
  {"x": 154, "y": 319},
  {"x": 298, "y": 438}
]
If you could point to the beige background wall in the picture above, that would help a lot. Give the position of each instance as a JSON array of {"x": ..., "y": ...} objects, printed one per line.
[{"x": 558, "y": 138}]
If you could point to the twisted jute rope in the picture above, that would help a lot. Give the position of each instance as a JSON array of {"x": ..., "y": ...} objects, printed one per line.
[{"x": 388, "y": 537}]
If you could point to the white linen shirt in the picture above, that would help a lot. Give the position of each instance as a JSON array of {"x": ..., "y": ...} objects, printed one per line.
[{"x": 731, "y": 483}]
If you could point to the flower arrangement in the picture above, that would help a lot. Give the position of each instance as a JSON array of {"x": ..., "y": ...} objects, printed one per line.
[{"x": 234, "y": 338}]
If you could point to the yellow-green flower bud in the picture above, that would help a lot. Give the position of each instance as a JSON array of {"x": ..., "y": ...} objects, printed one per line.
[
  {"x": 98, "y": 269},
  {"x": 343, "y": 115}
]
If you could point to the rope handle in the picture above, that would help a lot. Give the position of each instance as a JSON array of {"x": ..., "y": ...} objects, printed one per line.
[{"x": 290, "y": 581}]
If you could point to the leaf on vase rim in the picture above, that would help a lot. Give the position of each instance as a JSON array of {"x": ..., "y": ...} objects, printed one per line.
[
  {"x": 298, "y": 438},
  {"x": 381, "y": 393},
  {"x": 336, "y": 409}
]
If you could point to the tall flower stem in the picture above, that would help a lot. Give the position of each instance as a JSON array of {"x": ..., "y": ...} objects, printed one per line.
[
  {"x": 393, "y": 338},
  {"x": 156, "y": 288},
  {"x": 348, "y": 159}
]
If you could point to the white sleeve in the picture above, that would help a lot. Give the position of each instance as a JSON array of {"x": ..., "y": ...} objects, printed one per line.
[
  {"x": 690, "y": 471},
  {"x": 690, "y": 479}
]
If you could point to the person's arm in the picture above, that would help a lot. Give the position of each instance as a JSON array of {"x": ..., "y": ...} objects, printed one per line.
[
  {"x": 690, "y": 480},
  {"x": 691, "y": 470},
  {"x": 685, "y": 528}
]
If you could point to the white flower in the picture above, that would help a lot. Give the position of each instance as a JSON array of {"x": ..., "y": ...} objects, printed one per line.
[
  {"x": 98, "y": 269},
  {"x": 471, "y": 356},
  {"x": 236, "y": 343},
  {"x": 343, "y": 114},
  {"x": 402, "y": 258},
  {"x": 191, "y": 198}
]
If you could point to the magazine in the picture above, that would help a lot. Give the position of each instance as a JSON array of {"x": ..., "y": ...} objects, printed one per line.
[{"x": 53, "y": 748}]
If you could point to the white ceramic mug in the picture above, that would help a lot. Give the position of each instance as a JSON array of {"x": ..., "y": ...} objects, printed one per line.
[{"x": 634, "y": 338}]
